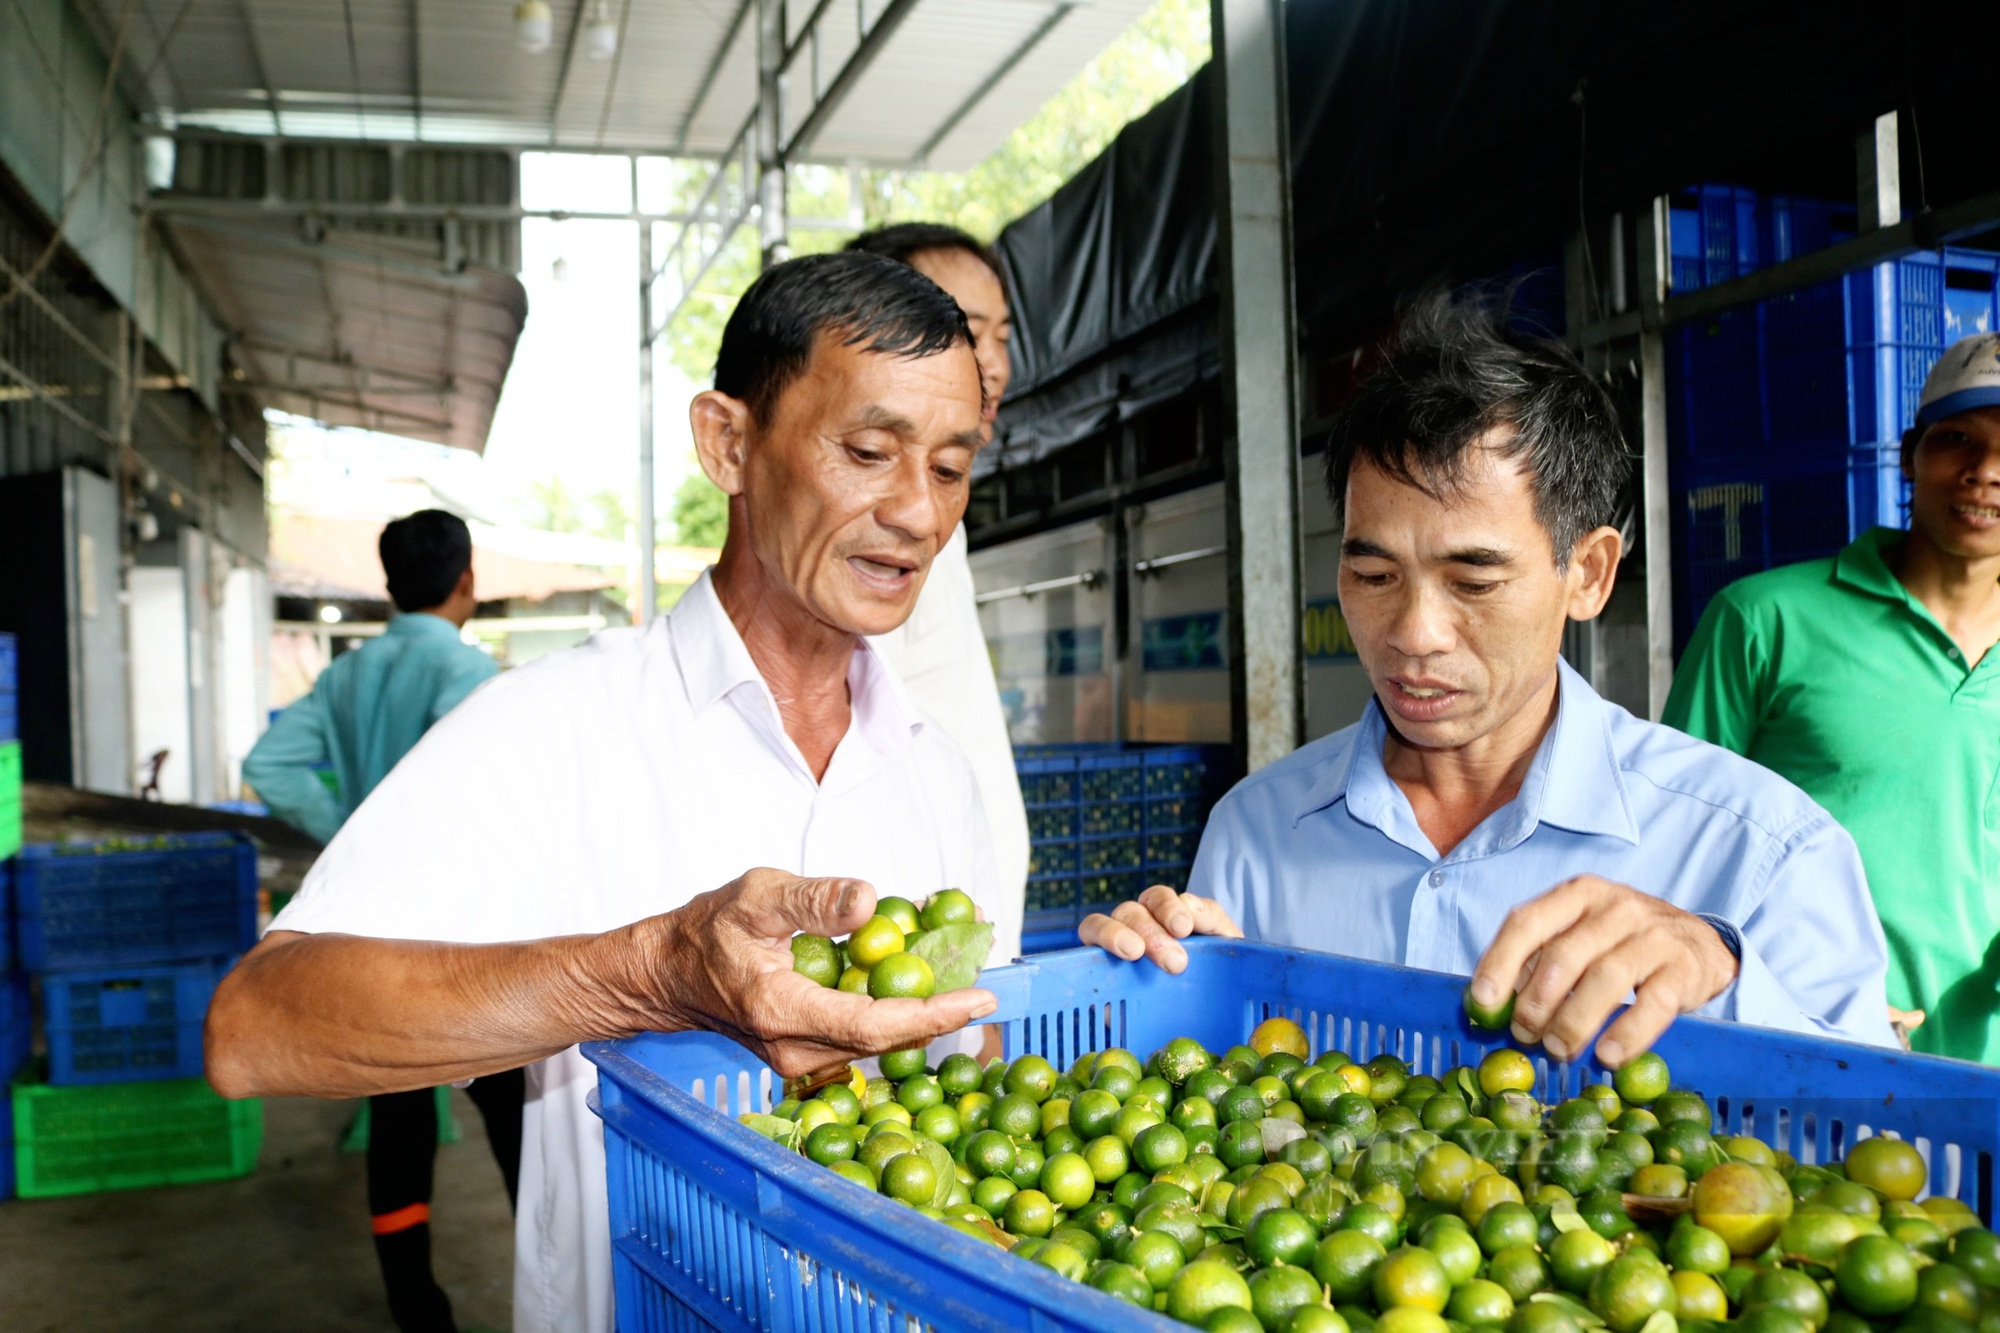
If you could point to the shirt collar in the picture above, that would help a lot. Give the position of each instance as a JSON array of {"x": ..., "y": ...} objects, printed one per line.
[
  {"x": 1862, "y": 565},
  {"x": 715, "y": 664},
  {"x": 422, "y": 622},
  {"x": 1574, "y": 782}
]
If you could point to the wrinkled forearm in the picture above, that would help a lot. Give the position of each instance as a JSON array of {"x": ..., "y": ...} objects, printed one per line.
[{"x": 346, "y": 1016}]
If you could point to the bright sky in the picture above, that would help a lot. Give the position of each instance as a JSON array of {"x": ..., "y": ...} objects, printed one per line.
[{"x": 570, "y": 407}]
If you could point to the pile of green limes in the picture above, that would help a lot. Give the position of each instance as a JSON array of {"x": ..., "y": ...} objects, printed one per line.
[
  {"x": 1259, "y": 1191},
  {"x": 876, "y": 960}
]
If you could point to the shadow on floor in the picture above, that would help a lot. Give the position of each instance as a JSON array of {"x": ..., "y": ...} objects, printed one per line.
[{"x": 286, "y": 1248}]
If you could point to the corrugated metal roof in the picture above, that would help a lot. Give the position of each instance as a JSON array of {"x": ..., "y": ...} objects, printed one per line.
[
  {"x": 357, "y": 329},
  {"x": 450, "y": 71}
]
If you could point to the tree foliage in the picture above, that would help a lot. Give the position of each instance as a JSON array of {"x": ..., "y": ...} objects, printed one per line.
[
  {"x": 1156, "y": 55},
  {"x": 700, "y": 512}
]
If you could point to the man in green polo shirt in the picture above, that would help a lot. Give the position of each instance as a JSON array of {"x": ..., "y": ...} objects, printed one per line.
[{"x": 1870, "y": 681}]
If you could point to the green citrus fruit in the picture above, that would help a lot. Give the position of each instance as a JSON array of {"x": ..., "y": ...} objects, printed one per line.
[
  {"x": 910, "y": 1178},
  {"x": 1876, "y": 1276},
  {"x": 899, "y": 910},
  {"x": 1412, "y": 1277},
  {"x": 1158, "y": 1147},
  {"x": 1506, "y": 1070},
  {"x": 854, "y": 981},
  {"x": 1949, "y": 1288},
  {"x": 947, "y": 907},
  {"x": 873, "y": 940},
  {"x": 1068, "y": 1181},
  {"x": 1787, "y": 1289},
  {"x": 1181, "y": 1059},
  {"x": 1282, "y": 1236},
  {"x": 1889, "y": 1166},
  {"x": 1276, "y": 1294},
  {"x": 1746, "y": 1205},
  {"x": 1123, "y": 1281},
  {"x": 901, "y": 976},
  {"x": 1157, "y": 1256},
  {"x": 1630, "y": 1290},
  {"x": 1480, "y": 1303},
  {"x": 1700, "y": 1297},
  {"x": 1491, "y": 1017},
  {"x": 1642, "y": 1080},
  {"x": 1032, "y": 1077},
  {"x": 1575, "y": 1258},
  {"x": 1519, "y": 1271},
  {"x": 1202, "y": 1288},
  {"x": 815, "y": 958}
]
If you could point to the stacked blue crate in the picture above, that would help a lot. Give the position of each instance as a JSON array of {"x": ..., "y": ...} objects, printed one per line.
[
  {"x": 129, "y": 940},
  {"x": 1104, "y": 822},
  {"x": 1787, "y": 415},
  {"x": 15, "y": 1019}
]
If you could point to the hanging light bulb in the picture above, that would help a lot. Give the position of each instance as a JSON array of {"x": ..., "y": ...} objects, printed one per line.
[
  {"x": 534, "y": 26},
  {"x": 600, "y": 35}
]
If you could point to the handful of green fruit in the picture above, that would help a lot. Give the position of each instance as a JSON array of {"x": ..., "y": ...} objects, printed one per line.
[
  {"x": 903, "y": 951},
  {"x": 1258, "y": 1191}
]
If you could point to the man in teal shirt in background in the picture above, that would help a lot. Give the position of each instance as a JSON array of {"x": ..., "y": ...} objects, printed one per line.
[
  {"x": 366, "y": 711},
  {"x": 1871, "y": 681}
]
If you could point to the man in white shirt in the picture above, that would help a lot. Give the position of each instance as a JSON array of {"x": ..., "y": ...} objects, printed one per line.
[
  {"x": 530, "y": 876},
  {"x": 940, "y": 651}
]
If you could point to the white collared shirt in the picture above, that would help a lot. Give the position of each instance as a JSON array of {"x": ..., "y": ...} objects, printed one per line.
[{"x": 609, "y": 783}]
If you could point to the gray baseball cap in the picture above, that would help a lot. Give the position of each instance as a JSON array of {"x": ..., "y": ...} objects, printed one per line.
[{"x": 1965, "y": 377}]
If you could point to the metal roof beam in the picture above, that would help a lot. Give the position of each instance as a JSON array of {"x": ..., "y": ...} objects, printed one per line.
[
  {"x": 336, "y": 253},
  {"x": 710, "y": 74},
  {"x": 828, "y": 102},
  {"x": 991, "y": 81},
  {"x": 187, "y": 206}
]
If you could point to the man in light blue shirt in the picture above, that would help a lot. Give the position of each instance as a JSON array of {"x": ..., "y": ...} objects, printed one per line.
[
  {"x": 371, "y": 706},
  {"x": 1490, "y": 813},
  {"x": 366, "y": 711}
]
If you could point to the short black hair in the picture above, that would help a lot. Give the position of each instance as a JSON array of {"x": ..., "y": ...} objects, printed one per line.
[
  {"x": 424, "y": 554},
  {"x": 864, "y": 300},
  {"x": 904, "y": 241},
  {"x": 1452, "y": 371}
]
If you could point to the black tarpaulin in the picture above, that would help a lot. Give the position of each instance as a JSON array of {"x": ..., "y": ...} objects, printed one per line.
[{"x": 1439, "y": 141}]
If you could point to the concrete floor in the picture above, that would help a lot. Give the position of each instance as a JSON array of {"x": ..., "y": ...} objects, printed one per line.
[{"x": 286, "y": 1248}]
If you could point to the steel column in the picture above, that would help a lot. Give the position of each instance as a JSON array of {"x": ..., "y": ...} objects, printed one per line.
[
  {"x": 647, "y": 536},
  {"x": 1878, "y": 175},
  {"x": 1259, "y": 378},
  {"x": 773, "y": 237},
  {"x": 1656, "y": 506}
]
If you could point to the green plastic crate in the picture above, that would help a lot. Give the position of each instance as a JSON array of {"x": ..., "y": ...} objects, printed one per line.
[
  {"x": 10, "y": 799},
  {"x": 119, "y": 1136}
]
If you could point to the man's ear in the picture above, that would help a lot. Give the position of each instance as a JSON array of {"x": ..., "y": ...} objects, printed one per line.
[
  {"x": 1593, "y": 570},
  {"x": 721, "y": 427},
  {"x": 464, "y": 588}
]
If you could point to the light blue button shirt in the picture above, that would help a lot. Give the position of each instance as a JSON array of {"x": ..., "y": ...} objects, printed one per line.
[
  {"x": 365, "y": 712},
  {"x": 1321, "y": 850}
]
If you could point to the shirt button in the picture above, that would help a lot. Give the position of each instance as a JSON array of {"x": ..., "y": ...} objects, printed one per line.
[
  {"x": 1952, "y": 653},
  {"x": 1437, "y": 879}
]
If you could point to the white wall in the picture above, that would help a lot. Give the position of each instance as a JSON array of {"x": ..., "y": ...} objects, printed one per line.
[
  {"x": 245, "y": 633},
  {"x": 160, "y": 675}
]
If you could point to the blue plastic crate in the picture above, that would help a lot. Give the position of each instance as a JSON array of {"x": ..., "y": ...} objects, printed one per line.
[
  {"x": 193, "y": 896},
  {"x": 1728, "y": 530},
  {"x": 10, "y": 688},
  {"x": 129, "y": 1024},
  {"x": 1714, "y": 235},
  {"x": 17, "y": 1023},
  {"x": 715, "y": 1227},
  {"x": 1835, "y": 366}
]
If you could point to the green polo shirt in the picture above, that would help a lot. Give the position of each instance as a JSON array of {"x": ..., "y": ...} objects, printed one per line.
[{"x": 1831, "y": 674}]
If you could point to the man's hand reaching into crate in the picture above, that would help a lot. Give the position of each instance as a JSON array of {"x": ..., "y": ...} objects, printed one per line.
[
  {"x": 333, "y": 1015},
  {"x": 1571, "y": 957}
]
